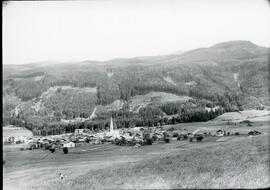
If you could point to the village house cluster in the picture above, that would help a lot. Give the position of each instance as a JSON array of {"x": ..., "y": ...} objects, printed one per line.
[{"x": 136, "y": 136}]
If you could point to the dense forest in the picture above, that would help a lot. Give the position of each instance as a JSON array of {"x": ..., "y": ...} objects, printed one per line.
[{"x": 149, "y": 116}]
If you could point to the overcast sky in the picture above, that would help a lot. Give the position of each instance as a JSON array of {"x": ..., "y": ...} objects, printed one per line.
[{"x": 101, "y": 30}]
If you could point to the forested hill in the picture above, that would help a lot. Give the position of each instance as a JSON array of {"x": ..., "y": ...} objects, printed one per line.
[{"x": 233, "y": 75}]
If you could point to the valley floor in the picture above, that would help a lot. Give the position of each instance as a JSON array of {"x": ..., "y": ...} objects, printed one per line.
[{"x": 233, "y": 162}]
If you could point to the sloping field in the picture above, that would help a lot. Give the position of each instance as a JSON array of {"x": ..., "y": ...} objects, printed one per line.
[
  {"x": 10, "y": 130},
  {"x": 140, "y": 101},
  {"x": 234, "y": 162},
  {"x": 243, "y": 115},
  {"x": 225, "y": 166},
  {"x": 114, "y": 106},
  {"x": 239, "y": 163}
]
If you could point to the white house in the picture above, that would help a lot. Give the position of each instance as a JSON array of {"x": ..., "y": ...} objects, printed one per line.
[
  {"x": 69, "y": 145},
  {"x": 219, "y": 133},
  {"x": 78, "y": 131}
]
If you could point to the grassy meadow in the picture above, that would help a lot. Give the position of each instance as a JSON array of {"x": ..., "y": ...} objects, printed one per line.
[{"x": 235, "y": 162}]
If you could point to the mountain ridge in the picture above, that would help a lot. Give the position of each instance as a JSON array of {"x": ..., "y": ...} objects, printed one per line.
[{"x": 229, "y": 44}]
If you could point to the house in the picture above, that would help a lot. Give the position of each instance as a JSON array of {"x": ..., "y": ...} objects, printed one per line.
[
  {"x": 78, "y": 131},
  {"x": 11, "y": 139},
  {"x": 81, "y": 139},
  {"x": 219, "y": 133},
  {"x": 69, "y": 144},
  {"x": 137, "y": 129}
]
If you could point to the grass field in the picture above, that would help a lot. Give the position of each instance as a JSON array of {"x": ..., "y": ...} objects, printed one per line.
[{"x": 235, "y": 162}]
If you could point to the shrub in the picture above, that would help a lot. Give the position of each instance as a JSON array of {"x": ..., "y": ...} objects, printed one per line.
[
  {"x": 167, "y": 140},
  {"x": 131, "y": 143},
  {"x": 199, "y": 138},
  {"x": 123, "y": 141},
  {"x": 103, "y": 141},
  {"x": 52, "y": 150},
  {"x": 175, "y": 134},
  {"x": 154, "y": 137},
  {"x": 171, "y": 129},
  {"x": 237, "y": 133},
  {"x": 246, "y": 121},
  {"x": 148, "y": 141},
  {"x": 191, "y": 140},
  {"x": 116, "y": 141},
  {"x": 65, "y": 150},
  {"x": 185, "y": 137},
  {"x": 179, "y": 138},
  {"x": 251, "y": 133},
  {"x": 165, "y": 135}
]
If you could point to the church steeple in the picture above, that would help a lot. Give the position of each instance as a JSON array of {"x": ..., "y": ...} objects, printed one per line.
[{"x": 111, "y": 125}]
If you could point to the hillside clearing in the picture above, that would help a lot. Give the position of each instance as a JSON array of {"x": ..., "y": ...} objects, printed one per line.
[
  {"x": 242, "y": 115},
  {"x": 15, "y": 132},
  {"x": 141, "y": 101}
]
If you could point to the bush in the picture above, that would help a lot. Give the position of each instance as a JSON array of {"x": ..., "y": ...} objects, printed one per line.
[
  {"x": 165, "y": 135},
  {"x": 246, "y": 121},
  {"x": 116, "y": 141},
  {"x": 199, "y": 138},
  {"x": 185, "y": 137},
  {"x": 167, "y": 140},
  {"x": 251, "y": 133},
  {"x": 237, "y": 133},
  {"x": 148, "y": 141},
  {"x": 191, "y": 140},
  {"x": 154, "y": 137},
  {"x": 65, "y": 150},
  {"x": 123, "y": 141},
  {"x": 179, "y": 138},
  {"x": 171, "y": 129},
  {"x": 132, "y": 143},
  {"x": 175, "y": 134},
  {"x": 52, "y": 150}
]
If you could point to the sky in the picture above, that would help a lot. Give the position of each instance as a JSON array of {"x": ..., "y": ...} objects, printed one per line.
[{"x": 101, "y": 30}]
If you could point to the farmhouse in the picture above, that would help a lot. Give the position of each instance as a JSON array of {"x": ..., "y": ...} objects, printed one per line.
[
  {"x": 69, "y": 144},
  {"x": 219, "y": 133},
  {"x": 78, "y": 131}
]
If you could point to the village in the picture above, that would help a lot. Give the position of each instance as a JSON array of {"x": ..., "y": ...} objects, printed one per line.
[{"x": 136, "y": 137}]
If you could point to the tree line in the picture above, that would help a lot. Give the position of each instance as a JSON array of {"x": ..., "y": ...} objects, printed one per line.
[{"x": 149, "y": 116}]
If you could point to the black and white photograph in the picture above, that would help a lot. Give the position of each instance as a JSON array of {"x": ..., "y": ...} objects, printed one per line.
[{"x": 135, "y": 94}]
